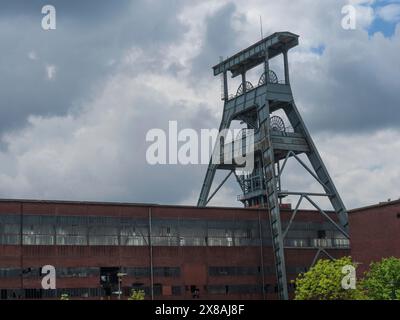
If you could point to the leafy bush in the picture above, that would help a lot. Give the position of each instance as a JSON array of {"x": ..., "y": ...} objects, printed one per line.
[
  {"x": 137, "y": 295},
  {"x": 324, "y": 282},
  {"x": 382, "y": 281}
]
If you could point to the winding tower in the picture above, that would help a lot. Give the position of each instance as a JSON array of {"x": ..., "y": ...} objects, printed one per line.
[{"x": 274, "y": 143}]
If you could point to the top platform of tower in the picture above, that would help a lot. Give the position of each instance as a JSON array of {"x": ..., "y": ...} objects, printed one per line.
[{"x": 254, "y": 55}]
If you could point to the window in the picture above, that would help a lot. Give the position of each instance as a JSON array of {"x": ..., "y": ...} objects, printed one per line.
[
  {"x": 220, "y": 233},
  {"x": 165, "y": 232},
  {"x": 193, "y": 233},
  {"x": 11, "y": 294},
  {"x": 38, "y": 230},
  {"x": 71, "y": 231},
  {"x": 176, "y": 290},
  {"x": 137, "y": 286},
  {"x": 137, "y": 272},
  {"x": 48, "y": 294},
  {"x": 33, "y": 294},
  {"x": 77, "y": 272},
  {"x": 233, "y": 271},
  {"x": 321, "y": 234},
  {"x": 10, "y": 272},
  {"x": 245, "y": 289},
  {"x": 106, "y": 235},
  {"x": 217, "y": 289},
  {"x": 10, "y": 229},
  {"x": 195, "y": 291},
  {"x": 157, "y": 289},
  {"x": 31, "y": 272},
  {"x": 134, "y": 232},
  {"x": 166, "y": 271}
]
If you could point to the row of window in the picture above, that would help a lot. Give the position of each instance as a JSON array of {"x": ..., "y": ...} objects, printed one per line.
[
  {"x": 245, "y": 289},
  {"x": 121, "y": 222},
  {"x": 59, "y": 230},
  {"x": 136, "y": 272},
  {"x": 144, "y": 272},
  {"x": 317, "y": 243},
  {"x": 111, "y": 225},
  {"x": 236, "y": 271},
  {"x": 167, "y": 241},
  {"x": 11, "y": 294},
  {"x": 251, "y": 271},
  {"x": 104, "y": 240},
  {"x": 79, "y": 225},
  {"x": 158, "y": 290}
]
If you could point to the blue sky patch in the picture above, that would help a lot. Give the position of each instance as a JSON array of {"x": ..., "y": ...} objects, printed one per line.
[
  {"x": 387, "y": 28},
  {"x": 319, "y": 50},
  {"x": 379, "y": 25}
]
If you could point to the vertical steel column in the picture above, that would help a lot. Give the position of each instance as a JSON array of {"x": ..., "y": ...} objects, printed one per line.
[
  {"x": 272, "y": 193},
  {"x": 244, "y": 82},
  {"x": 151, "y": 258},
  {"x": 226, "y": 90},
  {"x": 261, "y": 255},
  {"x": 21, "y": 239},
  {"x": 286, "y": 66},
  {"x": 212, "y": 167}
]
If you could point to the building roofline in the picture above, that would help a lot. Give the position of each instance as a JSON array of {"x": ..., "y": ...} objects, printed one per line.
[
  {"x": 114, "y": 203},
  {"x": 378, "y": 205},
  {"x": 132, "y": 204}
]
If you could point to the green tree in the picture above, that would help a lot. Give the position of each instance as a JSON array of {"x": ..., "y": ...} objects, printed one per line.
[
  {"x": 137, "y": 295},
  {"x": 324, "y": 282},
  {"x": 382, "y": 281},
  {"x": 64, "y": 296}
]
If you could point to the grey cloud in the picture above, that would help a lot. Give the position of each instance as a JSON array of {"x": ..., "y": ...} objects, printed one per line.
[
  {"x": 99, "y": 157},
  {"x": 89, "y": 36},
  {"x": 82, "y": 10},
  {"x": 352, "y": 87},
  {"x": 220, "y": 39}
]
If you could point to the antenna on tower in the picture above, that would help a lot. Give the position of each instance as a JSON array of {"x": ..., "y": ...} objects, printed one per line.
[{"x": 261, "y": 28}]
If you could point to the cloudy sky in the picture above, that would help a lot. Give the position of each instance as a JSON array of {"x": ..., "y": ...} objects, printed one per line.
[{"x": 76, "y": 102}]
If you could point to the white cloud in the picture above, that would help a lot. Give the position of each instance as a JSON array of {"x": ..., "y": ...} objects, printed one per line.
[
  {"x": 51, "y": 71},
  {"x": 390, "y": 13},
  {"x": 364, "y": 166}
]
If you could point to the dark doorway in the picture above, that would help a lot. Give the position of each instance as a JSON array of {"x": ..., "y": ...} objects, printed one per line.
[{"x": 109, "y": 279}]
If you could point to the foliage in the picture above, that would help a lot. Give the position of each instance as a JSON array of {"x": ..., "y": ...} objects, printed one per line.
[
  {"x": 324, "y": 282},
  {"x": 64, "y": 296},
  {"x": 137, "y": 295},
  {"x": 382, "y": 281}
]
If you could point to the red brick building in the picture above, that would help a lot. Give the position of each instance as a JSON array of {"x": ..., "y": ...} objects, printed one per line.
[
  {"x": 171, "y": 252},
  {"x": 375, "y": 233}
]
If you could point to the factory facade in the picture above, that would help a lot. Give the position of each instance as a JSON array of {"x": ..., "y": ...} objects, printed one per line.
[
  {"x": 375, "y": 233},
  {"x": 170, "y": 252}
]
